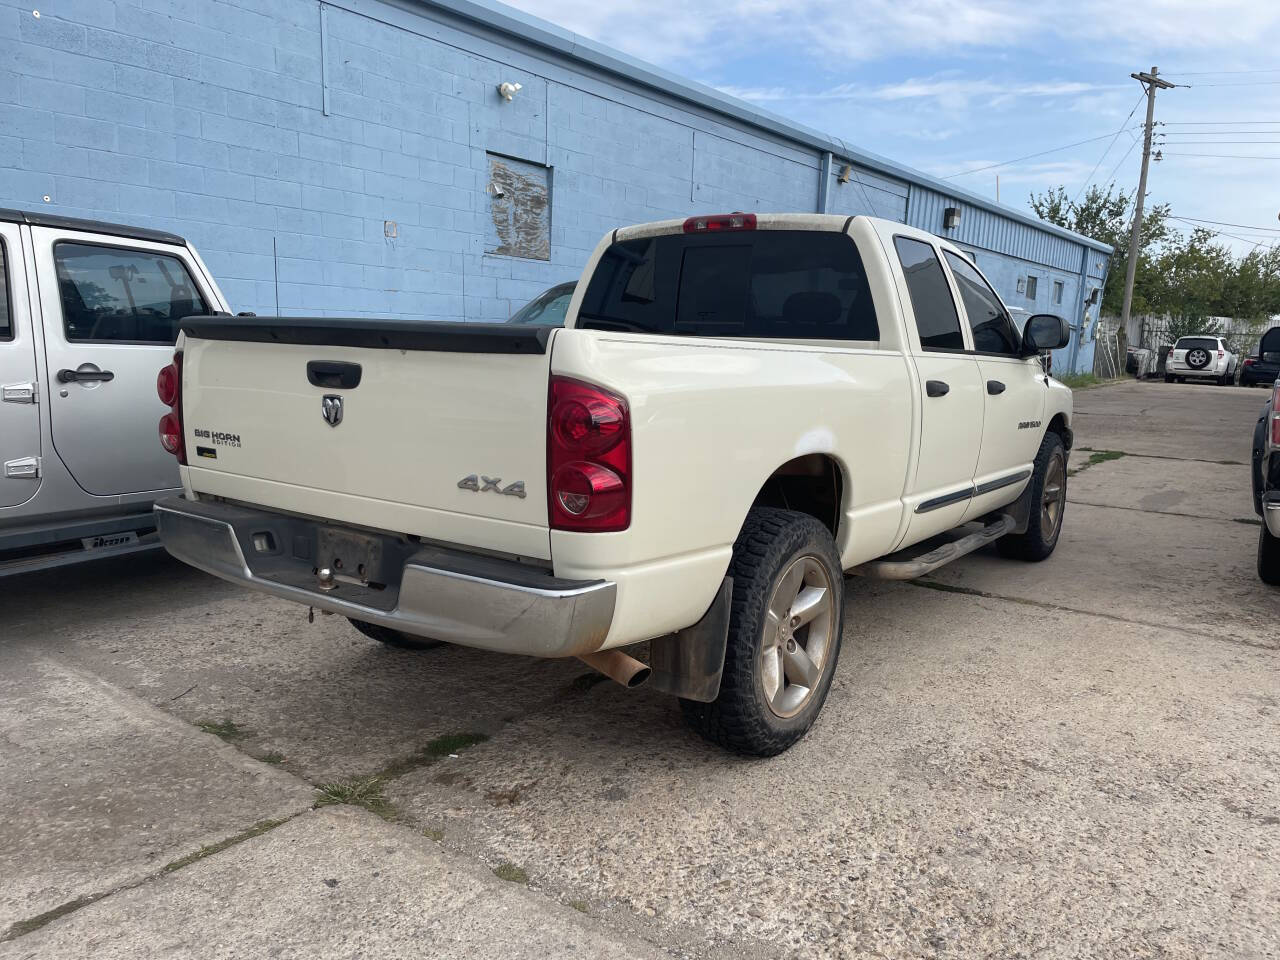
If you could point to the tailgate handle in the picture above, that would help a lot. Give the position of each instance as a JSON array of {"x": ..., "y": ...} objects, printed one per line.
[{"x": 332, "y": 373}]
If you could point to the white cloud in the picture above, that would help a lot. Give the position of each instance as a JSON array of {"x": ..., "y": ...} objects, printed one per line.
[{"x": 667, "y": 30}]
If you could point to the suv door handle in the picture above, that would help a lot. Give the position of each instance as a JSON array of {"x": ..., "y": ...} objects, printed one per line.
[
  {"x": 88, "y": 376},
  {"x": 936, "y": 388},
  {"x": 994, "y": 387}
]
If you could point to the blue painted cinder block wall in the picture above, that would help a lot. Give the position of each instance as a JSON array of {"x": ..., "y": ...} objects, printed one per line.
[{"x": 282, "y": 136}]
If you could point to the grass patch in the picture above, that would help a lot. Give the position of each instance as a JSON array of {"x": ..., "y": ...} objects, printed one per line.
[
  {"x": 272, "y": 757},
  {"x": 1102, "y": 456},
  {"x": 21, "y": 928},
  {"x": 1081, "y": 381},
  {"x": 257, "y": 830},
  {"x": 226, "y": 729},
  {"x": 363, "y": 792},
  {"x": 431, "y": 834},
  {"x": 433, "y": 752},
  {"x": 1096, "y": 457},
  {"x": 579, "y": 905},
  {"x": 511, "y": 873}
]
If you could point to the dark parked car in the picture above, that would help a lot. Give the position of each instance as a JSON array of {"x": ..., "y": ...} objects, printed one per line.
[
  {"x": 548, "y": 308},
  {"x": 1266, "y": 474},
  {"x": 1261, "y": 368}
]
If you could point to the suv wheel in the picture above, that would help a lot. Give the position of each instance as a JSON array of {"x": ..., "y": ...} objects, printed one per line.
[
  {"x": 1268, "y": 557},
  {"x": 1048, "y": 503},
  {"x": 784, "y": 635},
  {"x": 394, "y": 638}
]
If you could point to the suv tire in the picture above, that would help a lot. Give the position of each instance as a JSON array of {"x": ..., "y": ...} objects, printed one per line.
[
  {"x": 1048, "y": 504},
  {"x": 394, "y": 638},
  {"x": 1268, "y": 557},
  {"x": 785, "y": 622}
]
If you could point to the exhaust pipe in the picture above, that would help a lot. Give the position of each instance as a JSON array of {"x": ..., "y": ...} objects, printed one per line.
[{"x": 618, "y": 666}]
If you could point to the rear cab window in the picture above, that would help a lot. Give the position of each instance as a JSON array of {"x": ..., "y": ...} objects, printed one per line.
[
  {"x": 123, "y": 294},
  {"x": 937, "y": 320},
  {"x": 766, "y": 284}
]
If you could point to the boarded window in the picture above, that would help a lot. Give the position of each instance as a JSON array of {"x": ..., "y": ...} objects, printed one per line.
[{"x": 519, "y": 209}]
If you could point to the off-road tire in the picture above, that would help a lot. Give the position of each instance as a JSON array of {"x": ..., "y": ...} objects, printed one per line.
[
  {"x": 740, "y": 719},
  {"x": 394, "y": 638},
  {"x": 1037, "y": 543},
  {"x": 1268, "y": 557}
]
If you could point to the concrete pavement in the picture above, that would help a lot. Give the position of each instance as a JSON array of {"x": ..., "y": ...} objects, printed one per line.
[{"x": 1073, "y": 758}]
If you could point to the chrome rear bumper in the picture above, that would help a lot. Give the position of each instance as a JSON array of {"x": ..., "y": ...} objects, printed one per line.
[{"x": 445, "y": 594}]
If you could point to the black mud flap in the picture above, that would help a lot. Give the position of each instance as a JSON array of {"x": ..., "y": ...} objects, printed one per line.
[{"x": 689, "y": 663}]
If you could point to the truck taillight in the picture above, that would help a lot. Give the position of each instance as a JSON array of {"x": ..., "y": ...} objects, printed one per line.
[
  {"x": 720, "y": 222},
  {"x": 588, "y": 458},
  {"x": 169, "y": 389},
  {"x": 1273, "y": 434}
]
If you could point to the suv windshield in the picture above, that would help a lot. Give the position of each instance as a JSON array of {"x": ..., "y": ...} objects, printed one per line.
[
  {"x": 771, "y": 284},
  {"x": 547, "y": 309}
]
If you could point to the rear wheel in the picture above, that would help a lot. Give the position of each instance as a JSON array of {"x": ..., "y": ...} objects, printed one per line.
[
  {"x": 1048, "y": 502},
  {"x": 1168, "y": 378},
  {"x": 784, "y": 635},
  {"x": 1268, "y": 557},
  {"x": 394, "y": 638}
]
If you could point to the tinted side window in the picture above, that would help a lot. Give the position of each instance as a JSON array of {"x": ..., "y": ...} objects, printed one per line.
[
  {"x": 770, "y": 284},
  {"x": 114, "y": 294},
  {"x": 6, "y": 321},
  {"x": 993, "y": 331},
  {"x": 936, "y": 316}
]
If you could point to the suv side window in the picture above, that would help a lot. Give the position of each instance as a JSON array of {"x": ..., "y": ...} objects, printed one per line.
[
  {"x": 993, "y": 331},
  {"x": 936, "y": 318},
  {"x": 6, "y": 320},
  {"x": 115, "y": 294}
]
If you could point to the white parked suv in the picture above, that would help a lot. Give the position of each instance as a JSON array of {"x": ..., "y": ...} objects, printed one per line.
[
  {"x": 1200, "y": 357},
  {"x": 738, "y": 411}
]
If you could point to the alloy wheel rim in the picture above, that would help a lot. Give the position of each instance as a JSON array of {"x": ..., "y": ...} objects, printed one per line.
[
  {"x": 1197, "y": 358},
  {"x": 797, "y": 638},
  {"x": 1053, "y": 497}
]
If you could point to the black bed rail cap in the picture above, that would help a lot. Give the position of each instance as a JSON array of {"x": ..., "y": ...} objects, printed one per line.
[{"x": 378, "y": 334}]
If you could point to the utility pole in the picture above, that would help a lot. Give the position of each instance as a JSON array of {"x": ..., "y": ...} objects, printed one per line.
[{"x": 1152, "y": 82}]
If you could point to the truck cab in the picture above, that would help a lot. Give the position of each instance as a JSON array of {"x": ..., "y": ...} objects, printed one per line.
[{"x": 88, "y": 312}]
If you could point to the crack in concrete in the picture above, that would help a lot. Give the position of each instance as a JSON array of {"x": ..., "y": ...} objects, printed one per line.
[
  {"x": 1060, "y": 608},
  {"x": 20, "y": 928},
  {"x": 1165, "y": 513}
]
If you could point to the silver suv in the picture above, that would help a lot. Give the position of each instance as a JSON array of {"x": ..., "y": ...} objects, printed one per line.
[
  {"x": 88, "y": 313},
  {"x": 1201, "y": 357}
]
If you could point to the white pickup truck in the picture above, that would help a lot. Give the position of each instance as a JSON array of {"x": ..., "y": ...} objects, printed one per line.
[{"x": 739, "y": 410}]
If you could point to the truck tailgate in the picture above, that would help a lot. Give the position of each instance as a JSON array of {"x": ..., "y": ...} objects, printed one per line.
[{"x": 442, "y": 437}]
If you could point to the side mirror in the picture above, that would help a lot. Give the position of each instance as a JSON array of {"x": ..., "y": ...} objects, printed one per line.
[{"x": 1044, "y": 331}]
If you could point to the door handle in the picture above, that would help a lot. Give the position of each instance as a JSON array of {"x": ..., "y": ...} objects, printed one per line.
[
  {"x": 335, "y": 375},
  {"x": 88, "y": 376},
  {"x": 936, "y": 388},
  {"x": 994, "y": 387}
]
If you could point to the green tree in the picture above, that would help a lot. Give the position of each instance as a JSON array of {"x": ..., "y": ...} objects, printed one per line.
[{"x": 1107, "y": 215}]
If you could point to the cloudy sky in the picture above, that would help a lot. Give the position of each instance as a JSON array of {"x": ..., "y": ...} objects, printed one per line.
[{"x": 949, "y": 86}]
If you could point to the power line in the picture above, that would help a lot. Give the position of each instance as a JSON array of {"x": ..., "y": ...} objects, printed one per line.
[
  {"x": 1216, "y": 133},
  {"x": 1220, "y": 156},
  {"x": 1235, "y": 83},
  {"x": 1196, "y": 143},
  {"x": 1030, "y": 156},
  {"x": 1212, "y": 123},
  {"x": 1142, "y": 96},
  {"x": 1224, "y": 223},
  {"x": 1216, "y": 73},
  {"x": 1112, "y": 175}
]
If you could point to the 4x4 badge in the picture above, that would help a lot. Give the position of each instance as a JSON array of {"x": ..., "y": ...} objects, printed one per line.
[
  {"x": 331, "y": 408},
  {"x": 472, "y": 483}
]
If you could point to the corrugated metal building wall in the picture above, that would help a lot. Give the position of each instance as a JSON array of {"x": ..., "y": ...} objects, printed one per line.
[{"x": 350, "y": 156}]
